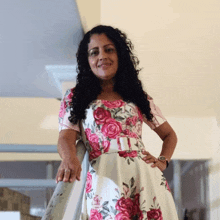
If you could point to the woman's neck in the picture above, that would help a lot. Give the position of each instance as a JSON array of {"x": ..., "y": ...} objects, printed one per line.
[{"x": 107, "y": 86}]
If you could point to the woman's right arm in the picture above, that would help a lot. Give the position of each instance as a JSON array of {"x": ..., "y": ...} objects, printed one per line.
[{"x": 70, "y": 167}]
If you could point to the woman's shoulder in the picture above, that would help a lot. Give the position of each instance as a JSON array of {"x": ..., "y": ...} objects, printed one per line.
[
  {"x": 149, "y": 97},
  {"x": 69, "y": 93}
]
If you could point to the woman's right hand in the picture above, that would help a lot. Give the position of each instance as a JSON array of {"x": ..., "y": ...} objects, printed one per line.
[{"x": 69, "y": 170}]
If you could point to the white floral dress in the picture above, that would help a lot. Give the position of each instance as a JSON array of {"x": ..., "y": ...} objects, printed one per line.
[{"x": 120, "y": 185}]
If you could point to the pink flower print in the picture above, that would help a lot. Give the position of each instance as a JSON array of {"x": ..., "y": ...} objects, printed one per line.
[
  {"x": 130, "y": 134},
  {"x": 133, "y": 110},
  {"x": 110, "y": 217},
  {"x": 126, "y": 132},
  {"x": 123, "y": 125},
  {"x": 106, "y": 146},
  {"x": 122, "y": 216},
  {"x": 88, "y": 132},
  {"x": 69, "y": 97},
  {"x": 100, "y": 115},
  {"x": 133, "y": 135},
  {"x": 113, "y": 104},
  {"x": 127, "y": 154},
  {"x": 93, "y": 138},
  {"x": 62, "y": 111},
  {"x": 95, "y": 215},
  {"x": 129, "y": 143},
  {"x": 88, "y": 182},
  {"x": 136, "y": 207},
  {"x": 154, "y": 214},
  {"x": 131, "y": 120},
  {"x": 132, "y": 154},
  {"x": 94, "y": 154},
  {"x": 134, "y": 120},
  {"x": 122, "y": 154},
  {"x": 118, "y": 143},
  {"x": 138, "y": 129},
  {"x": 136, "y": 203},
  {"x": 96, "y": 202},
  {"x": 95, "y": 146},
  {"x": 140, "y": 215},
  {"x": 127, "y": 121},
  {"x": 111, "y": 128},
  {"x": 167, "y": 185},
  {"x": 125, "y": 206},
  {"x": 127, "y": 191}
]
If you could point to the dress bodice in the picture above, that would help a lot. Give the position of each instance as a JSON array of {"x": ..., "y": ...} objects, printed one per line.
[{"x": 109, "y": 122}]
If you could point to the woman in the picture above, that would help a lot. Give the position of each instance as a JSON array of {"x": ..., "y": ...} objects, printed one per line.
[{"x": 124, "y": 181}]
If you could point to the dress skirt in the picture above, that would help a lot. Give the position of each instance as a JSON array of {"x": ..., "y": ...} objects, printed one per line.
[{"x": 121, "y": 185}]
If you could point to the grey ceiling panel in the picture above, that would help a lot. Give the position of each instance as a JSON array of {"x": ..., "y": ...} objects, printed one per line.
[{"x": 35, "y": 34}]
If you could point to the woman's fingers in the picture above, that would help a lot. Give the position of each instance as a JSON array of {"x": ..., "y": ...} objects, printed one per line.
[
  {"x": 145, "y": 152},
  {"x": 69, "y": 171},
  {"x": 156, "y": 164},
  {"x": 149, "y": 158},
  {"x": 78, "y": 174},
  {"x": 162, "y": 166},
  {"x": 63, "y": 175},
  {"x": 73, "y": 175},
  {"x": 66, "y": 175},
  {"x": 59, "y": 176}
]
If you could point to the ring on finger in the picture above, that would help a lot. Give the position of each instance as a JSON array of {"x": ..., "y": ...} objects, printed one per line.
[{"x": 66, "y": 170}]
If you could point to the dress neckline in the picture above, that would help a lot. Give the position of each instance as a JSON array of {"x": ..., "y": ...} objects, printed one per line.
[{"x": 110, "y": 101}]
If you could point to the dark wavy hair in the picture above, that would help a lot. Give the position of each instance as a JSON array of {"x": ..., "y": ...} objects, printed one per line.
[{"x": 126, "y": 83}]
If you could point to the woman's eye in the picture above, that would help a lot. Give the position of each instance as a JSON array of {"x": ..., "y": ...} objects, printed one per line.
[
  {"x": 93, "y": 53},
  {"x": 110, "y": 50}
]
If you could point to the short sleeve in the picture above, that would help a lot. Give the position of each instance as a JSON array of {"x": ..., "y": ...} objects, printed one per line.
[
  {"x": 64, "y": 113},
  {"x": 158, "y": 117}
]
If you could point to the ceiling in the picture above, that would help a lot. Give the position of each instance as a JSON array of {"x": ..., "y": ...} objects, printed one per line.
[{"x": 33, "y": 35}]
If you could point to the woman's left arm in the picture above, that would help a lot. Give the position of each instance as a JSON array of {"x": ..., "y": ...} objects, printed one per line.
[{"x": 169, "y": 138}]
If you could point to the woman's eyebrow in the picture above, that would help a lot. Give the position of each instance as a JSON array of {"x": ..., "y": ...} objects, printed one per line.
[{"x": 103, "y": 46}]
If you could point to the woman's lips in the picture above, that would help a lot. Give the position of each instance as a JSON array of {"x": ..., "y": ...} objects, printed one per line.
[{"x": 104, "y": 66}]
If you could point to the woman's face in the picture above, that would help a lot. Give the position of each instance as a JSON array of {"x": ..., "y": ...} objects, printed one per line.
[{"x": 102, "y": 57}]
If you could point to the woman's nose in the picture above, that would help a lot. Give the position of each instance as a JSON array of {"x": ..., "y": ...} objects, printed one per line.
[{"x": 102, "y": 54}]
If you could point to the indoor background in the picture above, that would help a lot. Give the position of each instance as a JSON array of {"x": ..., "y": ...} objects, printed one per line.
[{"x": 178, "y": 45}]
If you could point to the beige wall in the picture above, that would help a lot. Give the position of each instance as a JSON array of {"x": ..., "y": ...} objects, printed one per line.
[
  {"x": 89, "y": 13},
  {"x": 178, "y": 47},
  {"x": 29, "y": 121},
  {"x": 178, "y": 44}
]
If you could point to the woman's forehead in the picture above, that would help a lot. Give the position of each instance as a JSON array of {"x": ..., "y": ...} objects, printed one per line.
[{"x": 97, "y": 40}]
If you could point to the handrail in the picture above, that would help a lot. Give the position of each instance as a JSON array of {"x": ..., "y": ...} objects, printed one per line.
[{"x": 56, "y": 207}]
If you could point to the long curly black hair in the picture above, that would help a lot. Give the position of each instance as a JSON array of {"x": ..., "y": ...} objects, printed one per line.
[{"x": 126, "y": 83}]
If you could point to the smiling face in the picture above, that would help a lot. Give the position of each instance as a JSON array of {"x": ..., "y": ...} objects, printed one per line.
[{"x": 102, "y": 57}]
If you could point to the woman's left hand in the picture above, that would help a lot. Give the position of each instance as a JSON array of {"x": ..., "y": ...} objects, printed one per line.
[{"x": 151, "y": 159}]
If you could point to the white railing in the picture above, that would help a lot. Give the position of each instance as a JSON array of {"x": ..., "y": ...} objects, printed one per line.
[{"x": 58, "y": 202}]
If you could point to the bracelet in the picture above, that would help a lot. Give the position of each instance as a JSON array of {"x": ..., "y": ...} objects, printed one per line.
[{"x": 163, "y": 159}]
